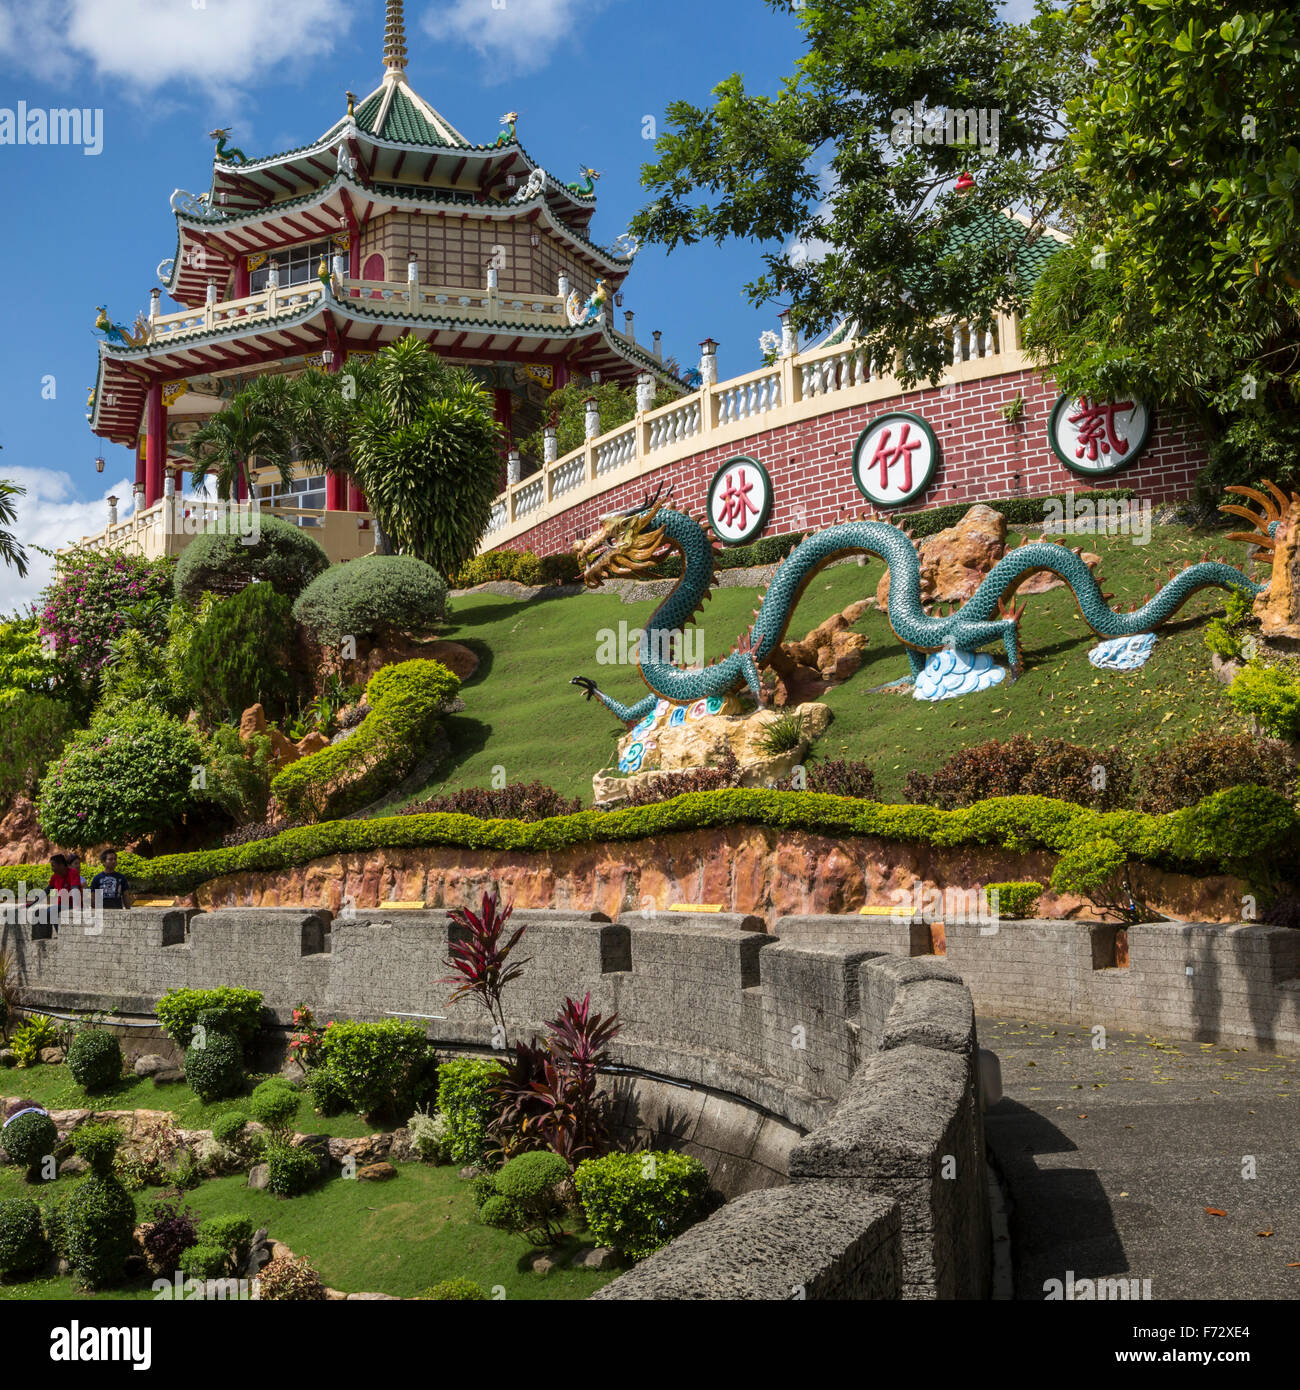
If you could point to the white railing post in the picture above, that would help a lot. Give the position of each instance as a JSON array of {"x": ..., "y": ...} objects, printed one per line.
[
  {"x": 413, "y": 283},
  {"x": 514, "y": 467}
]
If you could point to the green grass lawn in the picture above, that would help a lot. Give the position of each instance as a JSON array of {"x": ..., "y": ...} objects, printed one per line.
[
  {"x": 521, "y": 714},
  {"x": 396, "y": 1237}
]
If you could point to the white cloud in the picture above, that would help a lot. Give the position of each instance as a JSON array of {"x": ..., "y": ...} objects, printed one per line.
[
  {"x": 50, "y": 515},
  {"x": 220, "y": 45},
  {"x": 518, "y": 37}
]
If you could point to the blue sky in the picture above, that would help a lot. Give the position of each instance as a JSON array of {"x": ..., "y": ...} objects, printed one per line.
[{"x": 85, "y": 230}]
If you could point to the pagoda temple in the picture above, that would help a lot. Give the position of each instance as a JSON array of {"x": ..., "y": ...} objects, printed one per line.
[{"x": 390, "y": 223}]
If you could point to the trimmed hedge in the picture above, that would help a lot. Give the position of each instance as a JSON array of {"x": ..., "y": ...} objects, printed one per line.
[
  {"x": 1255, "y": 820},
  {"x": 373, "y": 595},
  {"x": 399, "y": 731},
  {"x": 285, "y": 556},
  {"x": 95, "y": 1059}
]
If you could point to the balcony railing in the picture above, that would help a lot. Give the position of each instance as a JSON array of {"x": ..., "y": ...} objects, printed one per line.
[
  {"x": 379, "y": 296},
  {"x": 793, "y": 388}
]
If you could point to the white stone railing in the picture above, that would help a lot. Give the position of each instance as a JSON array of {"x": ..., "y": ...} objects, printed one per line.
[
  {"x": 393, "y": 296},
  {"x": 793, "y": 388}
]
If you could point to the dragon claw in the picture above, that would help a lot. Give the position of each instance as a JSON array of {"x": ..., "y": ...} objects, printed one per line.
[{"x": 587, "y": 685}]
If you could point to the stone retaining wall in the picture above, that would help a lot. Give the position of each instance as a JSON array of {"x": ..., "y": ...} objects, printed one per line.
[
  {"x": 871, "y": 1058},
  {"x": 1210, "y": 983}
]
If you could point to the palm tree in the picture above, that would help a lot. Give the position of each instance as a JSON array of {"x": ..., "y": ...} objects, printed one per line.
[
  {"x": 11, "y": 552},
  {"x": 256, "y": 423}
]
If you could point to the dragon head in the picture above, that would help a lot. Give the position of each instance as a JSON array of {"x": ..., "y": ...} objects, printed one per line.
[
  {"x": 219, "y": 134},
  {"x": 624, "y": 545}
]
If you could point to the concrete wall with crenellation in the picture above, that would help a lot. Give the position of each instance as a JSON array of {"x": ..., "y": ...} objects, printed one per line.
[{"x": 845, "y": 1071}]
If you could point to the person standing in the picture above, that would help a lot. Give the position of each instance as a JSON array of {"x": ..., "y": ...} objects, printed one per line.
[{"x": 114, "y": 887}]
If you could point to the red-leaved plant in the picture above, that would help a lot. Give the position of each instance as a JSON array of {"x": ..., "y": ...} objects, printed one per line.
[
  {"x": 481, "y": 963},
  {"x": 548, "y": 1094}
]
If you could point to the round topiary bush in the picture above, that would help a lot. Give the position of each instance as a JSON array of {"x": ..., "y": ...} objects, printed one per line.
[
  {"x": 121, "y": 779},
  {"x": 636, "y": 1202},
  {"x": 289, "y": 1278},
  {"x": 228, "y": 1129},
  {"x": 275, "y": 1104},
  {"x": 214, "y": 1067},
  {"x": 285, "y": 556},
  {"x": 372, "y": 596},
  {"x": 95, "y": 1059},
  {"x": 23, "y": 1246},
  {"x": 29, "y": 1138}
]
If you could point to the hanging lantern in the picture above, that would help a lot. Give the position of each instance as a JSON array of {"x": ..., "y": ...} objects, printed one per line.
[
  {"x": 99, "y": 465},
  {"x": 964, "y": 183}
]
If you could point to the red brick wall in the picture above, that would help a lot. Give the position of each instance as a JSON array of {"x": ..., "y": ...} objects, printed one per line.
[{"x": 981, "y": 456}]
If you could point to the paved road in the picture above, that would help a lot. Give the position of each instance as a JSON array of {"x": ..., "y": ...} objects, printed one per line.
[{"x": 1112, "y": 1156}]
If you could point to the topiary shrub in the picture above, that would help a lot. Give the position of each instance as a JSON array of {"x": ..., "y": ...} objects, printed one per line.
[
  {"x": 29, "y": 1138},
  {"x": 179, "y": 1011},
  {"x": 215, "y": 1068},
  {"x": 289, "y": 1278},
  {"x": 23, "y": 1246},
  {"x": 525, "y": 1197},
  {"x": 244, "y": 654},
  {"x": 1254, "y": 831},
  {"x": 467, "y": 1102},
  {"x": 371, "y": 597},
  {"x": 1101, "y": 871},
  {"x": 285, "y": 556},
  {"x": 95, "y": 1059},
  {"x": 99, "y": 1218},
  {"x": 121, "y": 779},
  {"x": 1197, "y": 767},
  {"x": 377, "y": 1065},
  {"x": 400, "y": 730},
  {"x": 1013, "y": 900},
  {"x": 274, "y": 1104},
  {"x": 233, "y": 1234},
  {"x": 527, "y": 801},
  {"x": 456, "y": 1290},
  {"x": 203, "y": 1261},
  {"x": 637, "y": 1202},
  {"x": 228, "y": 1129},
  {"x": 291, "y": 1170}
]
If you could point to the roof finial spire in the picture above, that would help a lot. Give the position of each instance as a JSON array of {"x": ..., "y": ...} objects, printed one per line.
[{"x": 395, "y": 41}]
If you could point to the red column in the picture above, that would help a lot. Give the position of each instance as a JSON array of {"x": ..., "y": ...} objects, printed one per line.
[
  {"x": 155, "y": 444},
  {"x": 336, "y": 492},
  {"x": 356, "y": 498},
  {"x": 354, "y": 257},
  {"x": 241, "y": 278},
  {"x": 561, "y": 375},
  {"x": 139, "y": 463},
  {"x": 503, "y": 418},
  {"x": 241, "y": 484}
]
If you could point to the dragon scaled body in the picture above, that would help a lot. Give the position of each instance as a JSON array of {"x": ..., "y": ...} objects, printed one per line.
[{"x": 627, "y": 545}]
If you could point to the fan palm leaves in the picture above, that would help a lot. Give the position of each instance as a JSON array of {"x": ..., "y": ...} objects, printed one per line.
[
  {"x": 11, "y": 551},
  {"x": 256, "y": 424}
]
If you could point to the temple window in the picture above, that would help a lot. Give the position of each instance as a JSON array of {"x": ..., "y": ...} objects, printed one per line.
[{"x": 298, "y": 265}]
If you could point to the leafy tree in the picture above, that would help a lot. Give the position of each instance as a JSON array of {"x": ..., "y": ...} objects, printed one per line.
[
  {"x": 425, "y": 451},
  {"x": 567, "y": 411},
  {"x": 867, "y": 225},
  {"x": 1185, "y": 283},
  {"x": 11, "y": 552},
  {"x": 244, "y": 655},
  {"x": 98, "y": 595}
]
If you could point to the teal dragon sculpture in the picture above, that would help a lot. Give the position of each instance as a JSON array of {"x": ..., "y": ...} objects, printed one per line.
[
  {"x": 628, "y": 543},
  {"x": 226, "y": 153}
]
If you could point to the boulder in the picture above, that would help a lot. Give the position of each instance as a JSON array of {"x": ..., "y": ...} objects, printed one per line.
[
  {"x": 955, "y": 561},
  {"x": 1278, "y": 607},
  {"x": 150, "y": 1064},
  {"x": 73, "y": 1165},
  {"x": 598, "y": 1257},
  {"x": 373, "y": 1298},
  {"x": 259, "y": 1177},
  {"x": 252, "y": 721},
  {"x": 168, "y": 1076},
  {"x": 827, "y": 656},
  {"x": 21, "y": 840},
  {"x": 52, "y": 1056},
  {"x": 283, "y": 750},
  {"x": 312, "y": 743},
  {"x": 8, "y": 1057},
  {"x": 376, "y": 1172}
]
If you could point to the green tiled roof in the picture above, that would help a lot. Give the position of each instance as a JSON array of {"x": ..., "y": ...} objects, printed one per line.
[
  {"x": 997, "y": 229},
  {"x": 404, "y": 121}
]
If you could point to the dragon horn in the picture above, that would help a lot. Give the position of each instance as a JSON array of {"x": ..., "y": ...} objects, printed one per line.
[
  {"x": 1255, "y": 496},
  {"x": 1278, "y": 494},
  {"x": 1251, "y": 538},
  {"x": 1259, "y": 522}
]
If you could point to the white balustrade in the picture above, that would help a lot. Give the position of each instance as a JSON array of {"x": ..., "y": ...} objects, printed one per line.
[
  {"x": 614, "y": 451},
  {"x": 569, "y": 474}
]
